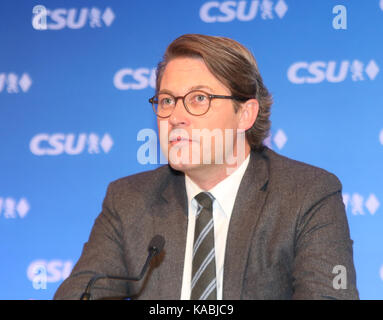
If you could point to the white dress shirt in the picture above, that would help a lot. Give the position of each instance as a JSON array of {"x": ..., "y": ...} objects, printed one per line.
[{"x": 224, "y": 193}]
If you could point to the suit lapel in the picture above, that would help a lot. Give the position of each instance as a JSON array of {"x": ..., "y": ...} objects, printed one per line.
[
  {"x": 247, "y": 208},
  {"x": 170, "y": 220}
]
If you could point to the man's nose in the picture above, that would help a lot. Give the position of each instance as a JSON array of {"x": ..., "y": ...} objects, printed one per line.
[{"x": 179, "y": 115}]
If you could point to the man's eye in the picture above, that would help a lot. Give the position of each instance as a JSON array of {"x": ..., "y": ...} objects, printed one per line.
[
  {"x": 199, "y": 99},
  {"x": 166, "y": 101}
]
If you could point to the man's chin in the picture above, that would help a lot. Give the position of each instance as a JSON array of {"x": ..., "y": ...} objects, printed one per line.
[{"x": 184, "y": 166}]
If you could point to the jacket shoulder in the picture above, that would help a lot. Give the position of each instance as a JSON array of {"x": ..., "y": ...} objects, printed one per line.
[
  {"x": 145, "y": 181},
  {"x": 292, "y": 172}
]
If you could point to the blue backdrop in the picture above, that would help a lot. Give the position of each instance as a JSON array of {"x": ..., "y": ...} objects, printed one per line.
[{"x": 75, "y": 77}]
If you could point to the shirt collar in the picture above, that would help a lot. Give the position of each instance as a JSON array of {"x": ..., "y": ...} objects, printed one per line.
[{"x": 224, "y": 192}]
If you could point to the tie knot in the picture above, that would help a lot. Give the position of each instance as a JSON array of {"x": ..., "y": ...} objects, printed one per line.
[{"x": 205, "y": 199}]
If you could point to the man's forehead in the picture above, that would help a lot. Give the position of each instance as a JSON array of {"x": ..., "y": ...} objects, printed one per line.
[
  {"x": 188, "y": 74},
  {"x": 186, "y": 64}
]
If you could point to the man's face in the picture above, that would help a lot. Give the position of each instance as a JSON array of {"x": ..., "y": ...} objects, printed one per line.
[{"x": 182, "y": 137}]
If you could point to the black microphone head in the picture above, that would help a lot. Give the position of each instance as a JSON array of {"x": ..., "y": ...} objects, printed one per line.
[{"x": 157, "y": 244}]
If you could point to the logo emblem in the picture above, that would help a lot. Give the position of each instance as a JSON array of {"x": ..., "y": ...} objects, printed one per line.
[
  {"x": 358, "y": 204},
  {"x": 14, "y": 83},
  {"x": 11, "y": 208}
]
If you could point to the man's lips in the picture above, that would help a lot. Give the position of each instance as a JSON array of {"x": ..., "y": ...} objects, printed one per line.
[{"x": 177, "y": 139}]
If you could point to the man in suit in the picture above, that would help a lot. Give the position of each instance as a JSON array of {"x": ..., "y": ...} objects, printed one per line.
[{"x": 240, "y": 221}]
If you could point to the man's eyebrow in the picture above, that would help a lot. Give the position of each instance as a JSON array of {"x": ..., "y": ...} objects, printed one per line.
[
  {"x": 165, "y": 91},
  {"x": 199, "y": 87}
]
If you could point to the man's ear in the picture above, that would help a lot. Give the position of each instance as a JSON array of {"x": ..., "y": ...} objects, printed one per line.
[{"x": 248, "y": 114}]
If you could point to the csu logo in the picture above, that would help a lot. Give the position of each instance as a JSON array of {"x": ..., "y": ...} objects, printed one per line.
[
  {"x": 226, "y": 11},
  {"x": 59, "y": 143},
  {"x": 135, "y": 79},
  {"x": 73, "y": 18},
  {"x": 331, "y": 71}
]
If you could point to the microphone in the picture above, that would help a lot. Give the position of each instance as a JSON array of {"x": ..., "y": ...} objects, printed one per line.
[{"x": 155, "y": 247}]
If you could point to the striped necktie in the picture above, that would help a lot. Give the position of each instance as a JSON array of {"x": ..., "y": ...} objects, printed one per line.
[{"x": 204, "y": 284}]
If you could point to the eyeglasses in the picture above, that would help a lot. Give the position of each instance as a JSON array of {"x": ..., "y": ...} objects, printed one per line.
[{"x": 196, "y": 102}]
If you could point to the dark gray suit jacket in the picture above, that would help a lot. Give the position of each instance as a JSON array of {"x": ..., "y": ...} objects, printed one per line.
[{"x": 288, "y": 231}]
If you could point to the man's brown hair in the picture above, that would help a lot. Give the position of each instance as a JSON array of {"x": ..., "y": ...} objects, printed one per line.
[{"x": 234, "y": 66}]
